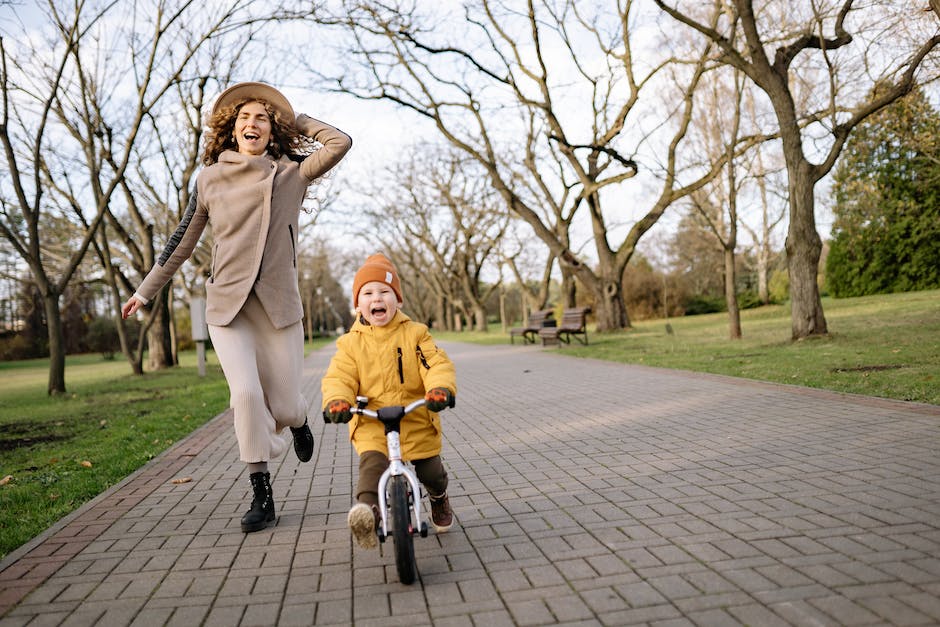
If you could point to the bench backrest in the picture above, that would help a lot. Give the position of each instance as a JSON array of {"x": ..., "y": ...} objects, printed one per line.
[
  {"x": 575, "y": 318},
  {"x": 536, "y": 318}
]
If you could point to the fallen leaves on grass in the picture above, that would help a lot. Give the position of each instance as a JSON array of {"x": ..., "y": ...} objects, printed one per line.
[{"x": 6, "y": 480}]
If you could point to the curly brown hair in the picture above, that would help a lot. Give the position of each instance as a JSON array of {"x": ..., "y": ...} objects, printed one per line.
[{"x": 285, "y": 138}]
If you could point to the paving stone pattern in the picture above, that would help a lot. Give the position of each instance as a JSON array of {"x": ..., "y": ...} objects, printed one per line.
[{"x": 585, "y": 492}]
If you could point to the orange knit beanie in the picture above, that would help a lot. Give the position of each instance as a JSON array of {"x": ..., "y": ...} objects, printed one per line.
[{"x": 376, "y": 268}]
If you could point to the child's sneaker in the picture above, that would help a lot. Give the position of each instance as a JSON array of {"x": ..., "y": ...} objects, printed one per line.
[
  {"x": 441, "y": 515},
  {"x": 362, "y": 524}
]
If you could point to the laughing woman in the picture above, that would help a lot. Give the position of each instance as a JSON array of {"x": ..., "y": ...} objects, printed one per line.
[{"x": 260, "y": 159}]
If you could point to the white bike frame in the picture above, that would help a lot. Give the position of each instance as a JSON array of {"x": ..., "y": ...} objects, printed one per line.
[{"x": 396, "y": 467}]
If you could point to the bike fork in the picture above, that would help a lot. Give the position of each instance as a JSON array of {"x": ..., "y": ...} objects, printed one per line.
[{"x": 397, "y": 467}]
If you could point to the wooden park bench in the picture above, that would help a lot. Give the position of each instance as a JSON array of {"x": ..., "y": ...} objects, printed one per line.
[
  {"x": 573, "y": 324},
  {"x": 537, "y": 320}
]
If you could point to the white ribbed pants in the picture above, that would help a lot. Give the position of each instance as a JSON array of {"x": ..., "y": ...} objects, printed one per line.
[{"x": 264, "y": 369}]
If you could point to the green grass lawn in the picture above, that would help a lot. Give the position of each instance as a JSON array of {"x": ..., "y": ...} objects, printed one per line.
[
  {"x": 60, "y": 452},
  {"x": 886, "y": 345}
]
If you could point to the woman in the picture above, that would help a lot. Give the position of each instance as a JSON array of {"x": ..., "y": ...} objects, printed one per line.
[{"x": 260, "y": 160}]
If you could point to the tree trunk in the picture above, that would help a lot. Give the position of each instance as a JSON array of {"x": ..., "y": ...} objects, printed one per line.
[
  {"x": 479, "y": 316},
  {"x": 133, "y": 355},
  {"x": 763, "y": 270},
  {"x": 731, "y": 296},
  {"x": 160, "y": 348},
  {"x": 308, "y": 319},
  {"x": 804, "y": 248},
  {"x": 524, "y": 311},
  {"x": 56, "y": 343},
  {"x": 610, "y": 308},
  {"x": 610, "y": 311},
  {"x": 441, "y": 316},
  {"x": 569, "y": 290},
  {"x": 171, "y": 331}
]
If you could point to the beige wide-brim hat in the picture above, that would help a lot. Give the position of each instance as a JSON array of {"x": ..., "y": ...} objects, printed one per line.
[{"x": 249, "y": 91}]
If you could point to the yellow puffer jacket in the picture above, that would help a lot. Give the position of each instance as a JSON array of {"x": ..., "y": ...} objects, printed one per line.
[{"x": 392, "y": 365}]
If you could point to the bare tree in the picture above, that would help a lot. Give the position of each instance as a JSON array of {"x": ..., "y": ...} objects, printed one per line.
[
  {"x": 156, "y": 188},
  {"x": 834, "y": 49},
  {"x": 517, "y": 255},
  {"x": 326, "y": 303},
  {"x": 479, "y": 226},
  {"x": 696, "y": 256},
  {"x": 30, "y": 85},
  {"x": 770, "y": 209},
  {"x": 84, "y": 116},
  {"x": 717, "y": 202},
  {"x": 441, "y": 224},
  {"x": 152, "y": 208},
  {"x": 540, "y": 95}
]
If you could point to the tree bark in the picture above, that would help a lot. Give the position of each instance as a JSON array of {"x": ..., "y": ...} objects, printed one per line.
[
  {"x": 611, "y": 311},
  {"x": 479, "y": 317},
  {"x": 159, "y": 338},
  {"x": 804, "y": 248},
  {"x": 731, "y": 295},
  {"x": 50, "y": 300}
]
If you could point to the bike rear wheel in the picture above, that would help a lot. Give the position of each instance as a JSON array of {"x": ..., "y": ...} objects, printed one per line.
[{"x": 402, "y": 529}]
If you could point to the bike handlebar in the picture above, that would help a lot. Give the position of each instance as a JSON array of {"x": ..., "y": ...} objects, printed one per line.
[{"x": 392, "y": 412}]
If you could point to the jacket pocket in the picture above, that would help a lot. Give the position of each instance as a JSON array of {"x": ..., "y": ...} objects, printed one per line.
[
  {"x": 215, "y": 256},
  {"x": 421, "y": 358}
]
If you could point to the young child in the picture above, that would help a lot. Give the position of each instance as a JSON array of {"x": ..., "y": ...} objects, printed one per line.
[{"x": 392, "y": 360}]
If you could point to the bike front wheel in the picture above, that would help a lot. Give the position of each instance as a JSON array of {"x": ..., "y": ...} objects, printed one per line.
[{"x": 402, "y": 529}]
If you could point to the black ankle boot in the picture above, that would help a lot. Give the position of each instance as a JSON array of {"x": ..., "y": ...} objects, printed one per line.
[
  {"x": 303, "y": 442},
  {"x": 262, "y": 506}
]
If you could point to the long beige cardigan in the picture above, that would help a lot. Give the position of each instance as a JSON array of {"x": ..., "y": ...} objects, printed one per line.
[{"x": 253, "y": 205}]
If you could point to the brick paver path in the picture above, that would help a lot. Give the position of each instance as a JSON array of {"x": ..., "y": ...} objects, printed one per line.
[{"x": 586, "y": 493}]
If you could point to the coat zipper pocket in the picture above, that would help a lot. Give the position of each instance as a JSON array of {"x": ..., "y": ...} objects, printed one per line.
[
  {"x": 293, "y": 246},
  {"x": 215, "y": 254},
  {"x": 401, "y": 372},
  {"x": 424, "y": 362}
]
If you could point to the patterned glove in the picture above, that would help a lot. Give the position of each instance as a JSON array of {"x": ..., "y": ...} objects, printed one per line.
[
  {"x": 337, "y": 411},
  {"x": 438, "y": 399}
]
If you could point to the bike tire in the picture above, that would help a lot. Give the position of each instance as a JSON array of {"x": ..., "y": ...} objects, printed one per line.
[{"x": 402, "y": 531}]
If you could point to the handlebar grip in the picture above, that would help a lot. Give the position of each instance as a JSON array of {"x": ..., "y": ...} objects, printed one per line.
[{"x": 326, "y": 418}]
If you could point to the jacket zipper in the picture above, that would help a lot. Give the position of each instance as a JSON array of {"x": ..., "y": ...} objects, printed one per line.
[
  {"x": 293, "y": 247},
  {"x": 401, "y": 372}
]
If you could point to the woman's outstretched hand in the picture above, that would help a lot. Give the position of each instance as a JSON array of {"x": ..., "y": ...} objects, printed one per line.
[{"x": 130, "y": 307}]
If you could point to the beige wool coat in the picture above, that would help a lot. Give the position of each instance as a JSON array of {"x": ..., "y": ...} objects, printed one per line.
[
  {"x": 393, "y": 364},
  {"x": 252, "y": 204}
]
